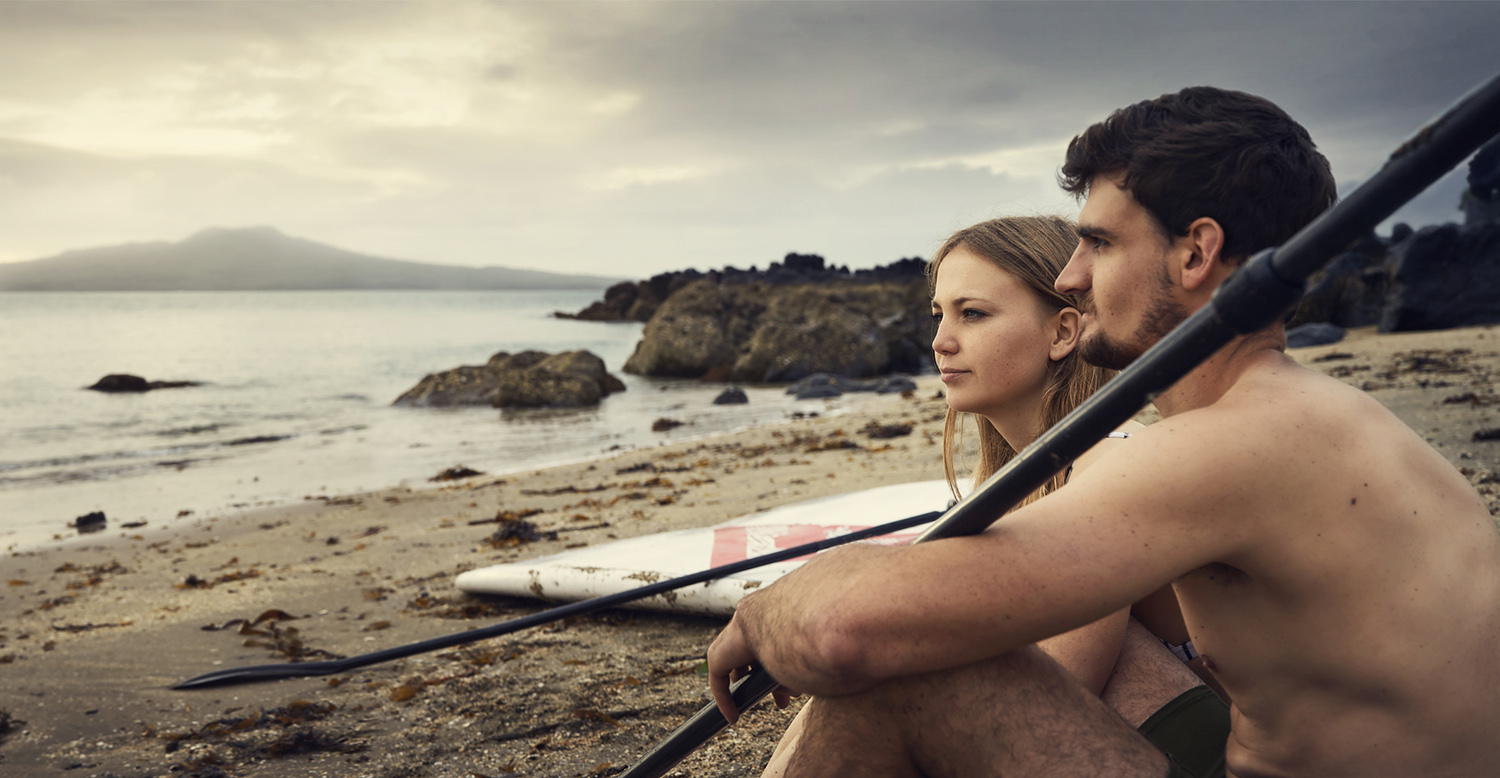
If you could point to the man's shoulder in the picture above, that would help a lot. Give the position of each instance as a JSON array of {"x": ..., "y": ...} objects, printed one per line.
[{"x": 1277, "y": 396}]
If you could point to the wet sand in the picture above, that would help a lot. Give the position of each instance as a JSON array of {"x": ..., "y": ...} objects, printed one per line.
[{"x": 94, "y": 630}]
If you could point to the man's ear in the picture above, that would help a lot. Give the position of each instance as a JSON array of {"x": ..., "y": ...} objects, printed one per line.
[
  {"x": 1068, "y": 326},
  {"x": 1205, "y": 239}
]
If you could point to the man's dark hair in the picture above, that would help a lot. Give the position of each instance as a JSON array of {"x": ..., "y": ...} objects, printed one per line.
[{"x": 1233, "y": 157}]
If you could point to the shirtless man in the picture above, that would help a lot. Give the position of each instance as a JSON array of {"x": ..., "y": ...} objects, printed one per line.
[{"x": 1339, "y": 577}]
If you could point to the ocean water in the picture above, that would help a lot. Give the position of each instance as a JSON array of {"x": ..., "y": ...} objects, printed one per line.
[{"x": 296, "y": 399}]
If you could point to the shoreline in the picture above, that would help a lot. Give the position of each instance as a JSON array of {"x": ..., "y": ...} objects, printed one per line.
[
  {"x": 387, "y": 454},
  {"x": 93, "y": 633},
  {"x": 105, "y": 624}
]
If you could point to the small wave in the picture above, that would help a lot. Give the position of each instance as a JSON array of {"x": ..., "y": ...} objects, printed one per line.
[
  {"x": 258, "y": 439},
  {"x": 342, "y": 430},
  {"x": 109, "y": 456},
  {"x": 100, "y": 473},
  {"x": 198, "y": 429}
]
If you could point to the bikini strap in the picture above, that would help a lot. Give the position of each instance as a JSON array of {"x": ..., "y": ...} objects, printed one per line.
[{"x": 1069, "y": 473}]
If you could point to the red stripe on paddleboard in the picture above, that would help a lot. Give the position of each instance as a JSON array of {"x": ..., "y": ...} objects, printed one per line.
[{"x": 735, "y": 544}]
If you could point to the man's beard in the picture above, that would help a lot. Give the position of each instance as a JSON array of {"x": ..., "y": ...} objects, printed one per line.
[{"x": 1163, "y": 314}]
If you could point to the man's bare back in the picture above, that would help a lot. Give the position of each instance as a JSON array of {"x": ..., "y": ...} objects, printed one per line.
[{"x": 1354, "y": 621}]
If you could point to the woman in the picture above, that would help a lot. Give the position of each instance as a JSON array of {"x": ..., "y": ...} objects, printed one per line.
[{"x": 1006, "y": 348}]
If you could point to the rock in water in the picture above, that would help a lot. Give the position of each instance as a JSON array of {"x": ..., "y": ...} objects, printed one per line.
[
  {"x": 1315, "y": 334},
  {"x": 120, "y": 383},
  {"x": 530, "y": 379},
  {"x": 456, "y": 473},
  {"x": 90, "y": 522},
  {"x": 732, "y": 396},
  {"x": 567, "y": 380}
]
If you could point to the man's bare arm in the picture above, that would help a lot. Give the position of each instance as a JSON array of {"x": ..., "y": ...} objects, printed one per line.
[{"x": 852, "y": 618}]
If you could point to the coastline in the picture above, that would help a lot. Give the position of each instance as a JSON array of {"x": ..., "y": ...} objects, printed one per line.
[
  {"x": 93, "y": 632},
  {"x": 94, "y": 629}
]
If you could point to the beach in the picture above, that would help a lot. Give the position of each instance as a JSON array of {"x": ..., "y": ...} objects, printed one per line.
[{"x": 95, "y": 629}]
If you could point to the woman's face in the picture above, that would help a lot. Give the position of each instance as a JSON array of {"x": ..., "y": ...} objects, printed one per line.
[{"x": 994, "y": 341}]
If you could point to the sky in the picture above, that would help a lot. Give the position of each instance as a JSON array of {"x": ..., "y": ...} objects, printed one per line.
[{"x": 631, "y": 138}]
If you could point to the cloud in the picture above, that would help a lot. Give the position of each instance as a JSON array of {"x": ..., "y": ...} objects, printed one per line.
[{"x": 639, "y": 137}]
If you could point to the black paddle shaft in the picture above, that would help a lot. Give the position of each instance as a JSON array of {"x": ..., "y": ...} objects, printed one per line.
[
  {"x": 236, "y": 675},
  {"x": 1253, "y": 298}
]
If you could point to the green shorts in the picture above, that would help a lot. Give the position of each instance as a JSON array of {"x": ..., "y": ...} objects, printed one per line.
[{"x": 1192, "y": 730}]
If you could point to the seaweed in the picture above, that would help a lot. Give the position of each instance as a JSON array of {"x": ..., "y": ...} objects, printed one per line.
[
  {"x": 516, "y": 532},
  {"x": 8, "y": 724}
]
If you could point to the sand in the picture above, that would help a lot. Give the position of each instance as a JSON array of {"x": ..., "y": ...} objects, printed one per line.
[{"x": 94, "y": 630}]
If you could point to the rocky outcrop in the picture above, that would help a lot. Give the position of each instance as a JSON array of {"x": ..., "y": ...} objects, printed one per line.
[
  {"x": 794, "y": 319},
  {"x": 1437, "y": 277},
  {"x": 638, "y": 301},
  {"x": 530, "y": 379},
  {"x": 765, "y": 333},
  {"x": 1444, "y": 276},
  {"x": 123, "y": 383},
  {"x": 697, "y": 331}
]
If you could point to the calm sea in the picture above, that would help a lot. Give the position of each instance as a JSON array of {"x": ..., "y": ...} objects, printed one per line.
[{"x": 296, "y": 399}]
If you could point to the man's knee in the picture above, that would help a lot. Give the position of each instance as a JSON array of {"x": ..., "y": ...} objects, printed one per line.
[{"x": 1019, "y": 711}]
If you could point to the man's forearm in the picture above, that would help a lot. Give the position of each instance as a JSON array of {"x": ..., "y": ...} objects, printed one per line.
[{"x": 799, "y": 627}]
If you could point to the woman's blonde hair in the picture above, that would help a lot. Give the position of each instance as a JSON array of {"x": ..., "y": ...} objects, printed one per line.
[{"x": 1034, "y": 249}]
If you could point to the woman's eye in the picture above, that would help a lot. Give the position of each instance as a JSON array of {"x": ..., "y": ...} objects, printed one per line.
[
  {"x": 970, "y": 313},
  {"x": 937, "y": 315}
]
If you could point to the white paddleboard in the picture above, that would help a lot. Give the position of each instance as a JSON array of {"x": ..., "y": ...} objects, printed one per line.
[{"x": 584, "y": 573}]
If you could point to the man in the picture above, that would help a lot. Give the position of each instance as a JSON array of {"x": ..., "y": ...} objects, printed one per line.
[{"x": 1340, "y": 579}]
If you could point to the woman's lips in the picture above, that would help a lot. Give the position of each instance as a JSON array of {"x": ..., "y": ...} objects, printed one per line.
[{"x": 950, "y": 376}]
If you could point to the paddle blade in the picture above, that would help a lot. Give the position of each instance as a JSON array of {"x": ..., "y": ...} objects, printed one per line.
[{"x": 261, "y": 673}]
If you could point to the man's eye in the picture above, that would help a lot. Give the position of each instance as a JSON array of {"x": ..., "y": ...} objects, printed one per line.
[{"x": 1098, "y": 243}]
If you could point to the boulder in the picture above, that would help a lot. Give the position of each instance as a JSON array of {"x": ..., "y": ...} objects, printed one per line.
[
  {"x": 1444, "y": 276},
  {"x": 1314, "y": 334},
  {"x": 696, "y": 330},
  {"x": 1434, "y": 278},
  {"x": 829, "y": 385},
  {"x": 732, "y": 396},
  {"x": 119, "y": 383},
  {"x": 1350, "y": 291},
  {"x": 570, "y": 379},
  {"x": 896, "y": 385},
  {"x": 814, "y": 329},
  {"x": 463, "y": 385},
  {"x": 529, "y": 379},
  {"x": 90, "y": 522},
  {"x": 770, "y": 333}
]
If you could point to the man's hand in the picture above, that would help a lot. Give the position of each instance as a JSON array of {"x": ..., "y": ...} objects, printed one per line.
[{"x": 729, "y": 657}]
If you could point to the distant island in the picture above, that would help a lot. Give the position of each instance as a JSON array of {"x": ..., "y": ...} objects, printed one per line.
[{"x": 259, "y": 259}]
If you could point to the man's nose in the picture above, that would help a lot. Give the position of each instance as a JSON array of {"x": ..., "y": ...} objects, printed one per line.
[{"x": 1074, "y": 276}]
